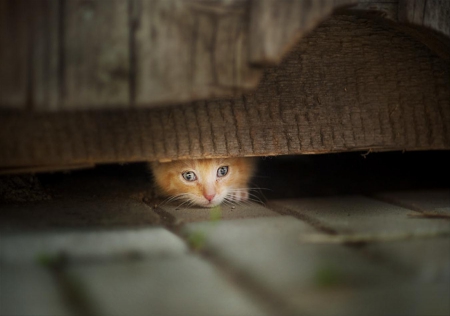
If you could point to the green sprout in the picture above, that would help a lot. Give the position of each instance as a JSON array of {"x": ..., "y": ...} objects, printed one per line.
[
  {"x": 197, "y": 240},
  {"x": 49, "y": 260},
  {"x": 326, "y": 276},
  {"x": 216, "y": 214}
]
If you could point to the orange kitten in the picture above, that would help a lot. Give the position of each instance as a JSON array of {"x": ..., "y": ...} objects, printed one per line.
[{"x": 205, "y": 182}]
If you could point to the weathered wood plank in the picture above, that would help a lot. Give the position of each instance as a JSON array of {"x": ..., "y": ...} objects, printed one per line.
[
  {"x": 352, "y": 84},
  {"x": 434, "y": 14},
  {"x": 95, "y": 56},
  {"x": 45, "y": 43},
  {"x": 429, "y": 21},
  {"x": 277, "y": 25},
  {"x": 190, "y": 50},
  {"x": 91, "y": 54},
  {"x": 14, "y": 53},
  {"x": 387, "y": 9}
]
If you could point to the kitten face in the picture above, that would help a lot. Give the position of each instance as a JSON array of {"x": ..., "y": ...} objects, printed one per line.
[{"x": 205, "y": 182}]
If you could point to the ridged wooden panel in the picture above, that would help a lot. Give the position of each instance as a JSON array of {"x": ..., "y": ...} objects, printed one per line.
[{"x": 352, "y": 84}]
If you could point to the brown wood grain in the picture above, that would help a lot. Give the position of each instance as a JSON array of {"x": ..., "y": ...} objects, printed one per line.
[
  {"x": 46, "y": 50},
  {"x": 61, "y": 55},
  {"x": 95, "y": 54},
  {"x": 428, "y": 21},
  {"x": 14, "y": 54},
  {"x": 433, "y": 14},
  {"x": 352, "y": 84},
  {"x": 190, "y": 50},
  {"x": 276, "y": 25}
]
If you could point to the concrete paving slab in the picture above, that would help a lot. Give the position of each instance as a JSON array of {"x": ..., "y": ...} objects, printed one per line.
[
  {"x": 361, "y": 215},
  {"x": 89, "y": 245},
  {"x": 225, "y": 212},
  {"x": 29, "y": 291},
  {"x": 272, "y": 251},
  {"x": 77, "y": 212},
  {"x": 400, "y": 299},
  {"x": 163, "y": 286},
  {"x": 424, "y": 260},
  {"x": 317, "y": 279},
  {"x": 436, "y": 200}
]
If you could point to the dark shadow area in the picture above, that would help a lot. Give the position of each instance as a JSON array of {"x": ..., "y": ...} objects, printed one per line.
[
  {"x": 352, "y": 173},
  {"x": 282, "y": 176},
  {"x": 112, "y": 195},
  {"x": 278, "y": 177}
]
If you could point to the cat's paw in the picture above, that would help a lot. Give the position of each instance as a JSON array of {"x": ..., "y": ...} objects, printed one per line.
[{"x": 241, "y": 195}]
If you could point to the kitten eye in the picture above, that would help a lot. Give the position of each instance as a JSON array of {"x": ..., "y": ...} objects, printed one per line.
[
  {"x": 189, "y": 176},
  {"x": 222, "y": 171}
]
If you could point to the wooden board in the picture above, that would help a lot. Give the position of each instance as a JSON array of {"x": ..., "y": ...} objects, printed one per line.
[
  {"x": 428, "y": 21},
  {"x": 433, "y": 14},
  {"x": 95, "y": 54},
  {"x": 190, "y": 50},
  {"x": 46, "y": 58},
  {"x": 352, "y": 84},
  {"x": 14, "y": 54},
  {"x": 277, "y": 25}
]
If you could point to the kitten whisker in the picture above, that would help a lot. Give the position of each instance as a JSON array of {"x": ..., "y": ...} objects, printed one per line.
[
  {"x": 177, "y": 197},
  {"x": 257, "y": 201},
  {"x": 169, "y": 178},
  {"x": 251, "y": 196},
  {"x": 255, "y": 196},
  {"x": 183, "y": 203},
  {"x": 228, "y": 201},
  {"x": 171, "y": 199}
]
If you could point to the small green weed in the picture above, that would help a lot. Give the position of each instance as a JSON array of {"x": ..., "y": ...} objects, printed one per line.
[{"x": 326, "y": 276}]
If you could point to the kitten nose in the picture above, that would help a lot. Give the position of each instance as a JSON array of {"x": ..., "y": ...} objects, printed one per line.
[{"x": 209, "y": 197}]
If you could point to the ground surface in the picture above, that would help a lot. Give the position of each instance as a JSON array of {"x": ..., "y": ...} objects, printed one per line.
[{"x": 336, "y": 235}]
